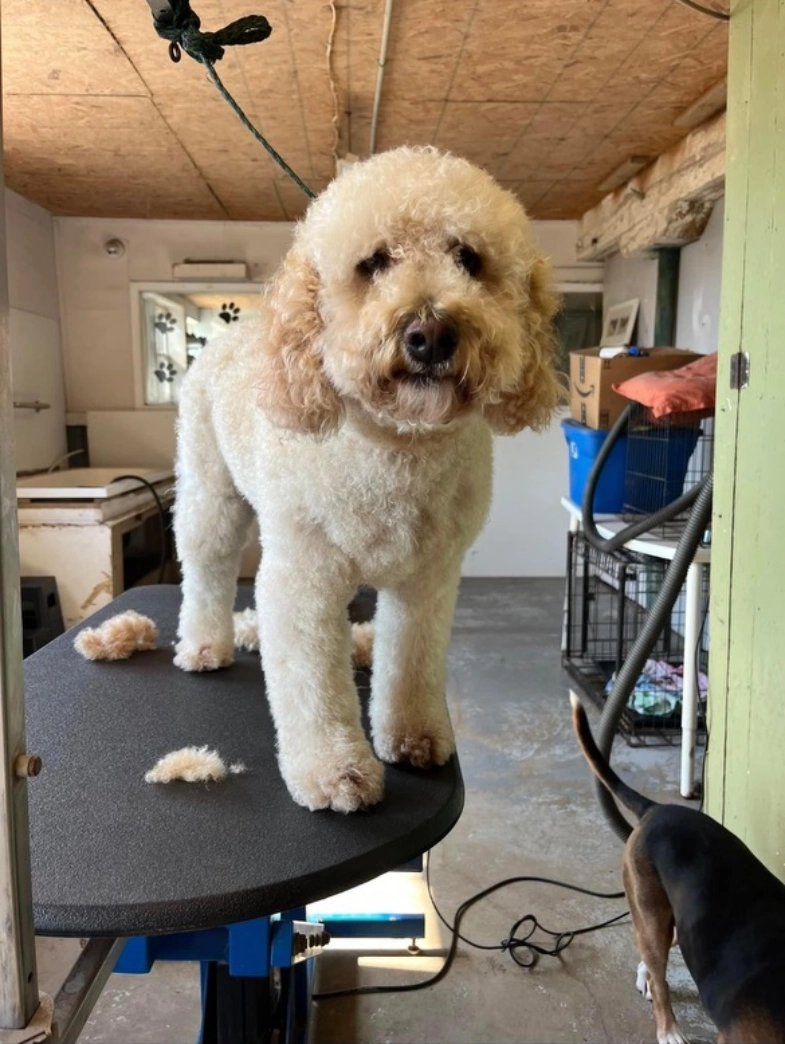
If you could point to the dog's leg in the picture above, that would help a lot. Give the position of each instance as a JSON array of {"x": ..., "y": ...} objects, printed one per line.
[
  {"x": 409, "y": 716},
  {"x": 305, "y": 643},
  {"x": 211, "y": 523},
  {"x": 652, "y": 919}
]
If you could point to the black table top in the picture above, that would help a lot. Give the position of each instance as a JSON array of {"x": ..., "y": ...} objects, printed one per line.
[{"x": 113, "y": 855}]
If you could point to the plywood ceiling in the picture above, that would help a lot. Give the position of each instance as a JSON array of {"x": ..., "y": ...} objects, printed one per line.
[{"x": 551, "y": 96}]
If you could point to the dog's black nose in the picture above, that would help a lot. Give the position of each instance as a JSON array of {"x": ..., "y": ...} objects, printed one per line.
[{"x": 431, "y": 340}]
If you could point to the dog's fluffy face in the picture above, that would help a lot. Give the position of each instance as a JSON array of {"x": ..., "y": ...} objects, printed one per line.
[{"x": 415, "y": 239}]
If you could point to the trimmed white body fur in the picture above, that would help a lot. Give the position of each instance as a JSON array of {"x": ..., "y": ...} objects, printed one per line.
[{"x": 363, "y": 463}]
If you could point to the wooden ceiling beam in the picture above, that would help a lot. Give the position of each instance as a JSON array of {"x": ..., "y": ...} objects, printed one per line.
[{"x": 667, "y": 204}]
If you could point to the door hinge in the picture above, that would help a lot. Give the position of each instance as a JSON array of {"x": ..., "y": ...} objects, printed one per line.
[{"x": 740, "y": 371}]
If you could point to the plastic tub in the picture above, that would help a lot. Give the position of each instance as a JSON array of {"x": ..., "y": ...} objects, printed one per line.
[{"x": 583, "y": 445}]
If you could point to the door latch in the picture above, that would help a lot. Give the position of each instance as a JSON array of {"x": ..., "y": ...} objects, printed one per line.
[{"x": 740, "y": 371}]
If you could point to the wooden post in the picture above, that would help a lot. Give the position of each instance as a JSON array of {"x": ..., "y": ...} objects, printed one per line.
[
  {"x": 18, "y": 981},
  {"x": 668, "y": 259}
]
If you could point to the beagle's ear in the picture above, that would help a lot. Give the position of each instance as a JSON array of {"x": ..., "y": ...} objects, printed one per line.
[
  {"x": 293, "y": 388},
  {"x": 538, "y": 390}
]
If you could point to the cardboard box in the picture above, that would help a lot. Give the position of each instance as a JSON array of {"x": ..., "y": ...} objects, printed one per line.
[{"x": 593, "y": 401}]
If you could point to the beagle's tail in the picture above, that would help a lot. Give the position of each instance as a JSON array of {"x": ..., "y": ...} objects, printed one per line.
[{"x": 631, "y": 799}]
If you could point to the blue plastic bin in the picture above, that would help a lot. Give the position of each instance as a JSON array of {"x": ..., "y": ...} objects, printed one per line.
[{"x": 584, "y": 444}]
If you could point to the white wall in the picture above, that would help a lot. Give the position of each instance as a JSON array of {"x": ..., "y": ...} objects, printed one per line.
[
  {"x": 525, "y": 533},
  {"x": 95, "y": 289},
  {"x": 34, "y": 324},
  {"x": 527, "y": 527},
  {"x": 629, "y": 277},
  {"x": 700, "y": 274}
]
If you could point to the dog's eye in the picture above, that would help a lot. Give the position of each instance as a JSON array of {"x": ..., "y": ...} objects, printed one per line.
[
  {"x": 377, "y": 262},
  {"x": 469, "y": 260}
]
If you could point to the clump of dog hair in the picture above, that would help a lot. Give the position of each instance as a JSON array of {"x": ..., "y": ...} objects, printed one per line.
[
  {"x": 192, "y": 765},
  {"x": 118, "y": 637},
  {"x": 246, "y": 630},
  {"x": 246, "y": 636}
]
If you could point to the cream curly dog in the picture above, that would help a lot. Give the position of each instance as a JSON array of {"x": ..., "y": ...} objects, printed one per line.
[{"x": 410, "y": 319}]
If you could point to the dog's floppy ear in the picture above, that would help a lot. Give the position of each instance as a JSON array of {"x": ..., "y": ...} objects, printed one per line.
[
  {"x": 538, "y": 389},
  {"x": 293, "y": 388}
]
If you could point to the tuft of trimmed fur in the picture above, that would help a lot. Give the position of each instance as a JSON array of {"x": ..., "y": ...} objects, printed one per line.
[
  {"x": 246, "y": 636},
  {"x": 192, "y": 765},
  {"x": 117, "y": 638},
  {"x": 246, "y": 630}
]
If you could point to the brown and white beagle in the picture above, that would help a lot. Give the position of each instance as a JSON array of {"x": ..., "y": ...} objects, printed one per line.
[{"x": 684, "y": 871}]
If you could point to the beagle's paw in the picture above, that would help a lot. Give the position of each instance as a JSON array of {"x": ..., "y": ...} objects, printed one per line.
[
  {"x": 672, "y": 1036},
  {"x": 642, "y": 981}
]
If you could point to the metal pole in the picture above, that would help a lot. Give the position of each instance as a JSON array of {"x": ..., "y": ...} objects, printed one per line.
[
  {"x": 18, "y": 979},
  {"x": 689, "y": 706}
]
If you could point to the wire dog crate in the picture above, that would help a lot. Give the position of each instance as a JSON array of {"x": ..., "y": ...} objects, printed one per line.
[
  {"x": 609, "y": 595},
  {"x": 665, "y": 458}
]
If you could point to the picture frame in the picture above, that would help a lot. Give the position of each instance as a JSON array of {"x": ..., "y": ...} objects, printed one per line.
[{"x": 619, "y": 324}]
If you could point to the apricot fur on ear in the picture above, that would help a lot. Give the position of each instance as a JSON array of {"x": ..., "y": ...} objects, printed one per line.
[{"x": 293, "y": 388}]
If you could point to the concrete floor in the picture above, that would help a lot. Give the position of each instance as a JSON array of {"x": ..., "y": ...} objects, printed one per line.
[{"x": 530, "y": 810}]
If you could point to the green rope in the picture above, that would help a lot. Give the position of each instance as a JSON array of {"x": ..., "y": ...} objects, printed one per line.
[{"x": 178, "y": 24}]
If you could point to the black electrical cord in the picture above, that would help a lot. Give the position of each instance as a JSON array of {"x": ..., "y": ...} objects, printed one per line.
[
  {"x": 522, "y": 949},
  {"x": 721, "y": 15},
  {"x": 161, "y": 520}
]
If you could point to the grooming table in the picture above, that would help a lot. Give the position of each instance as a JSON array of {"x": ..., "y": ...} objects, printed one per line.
[{"x": 113, "y": 856}]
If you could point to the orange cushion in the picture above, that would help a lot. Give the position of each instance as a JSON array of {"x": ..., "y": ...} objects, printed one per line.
[{"x": 666, "y": 392}]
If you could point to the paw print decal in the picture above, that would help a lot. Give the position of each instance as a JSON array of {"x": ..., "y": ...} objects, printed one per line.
[
  {"x": 165, "y": 322},
  {"x": 165, "y": 372},
  {"x": 230, "y": 313}
]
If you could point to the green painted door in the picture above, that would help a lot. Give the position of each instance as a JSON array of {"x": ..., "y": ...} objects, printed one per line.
[{"x": 746, "y": 760}]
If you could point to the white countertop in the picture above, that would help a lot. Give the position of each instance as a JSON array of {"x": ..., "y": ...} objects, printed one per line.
[{"x": 87, "y": 483}]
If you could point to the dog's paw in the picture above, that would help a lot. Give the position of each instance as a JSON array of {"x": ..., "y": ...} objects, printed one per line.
[
  {"x": 422, "y": 746},
  {"x": 673, "y": 1035},
  {"x": 642, "y": 981},
  {"x": 206, "y": 657},
  {"x": 343, "y": 786}
]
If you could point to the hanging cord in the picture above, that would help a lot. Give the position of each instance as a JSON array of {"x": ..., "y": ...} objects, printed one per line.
[
  {"x": 161, "y": 522},
  {"x": 721, "y": 15},
  {"x": 176, "y": 22},
  {"x": 523, "y": 950}
]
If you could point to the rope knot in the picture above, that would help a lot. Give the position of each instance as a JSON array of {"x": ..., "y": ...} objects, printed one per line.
[{"x": 181, "y": 27}]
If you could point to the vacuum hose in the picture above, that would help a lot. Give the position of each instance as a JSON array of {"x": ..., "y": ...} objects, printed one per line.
[
  {"x": 648, "y": 522},
  {"x": 628, "y": 674}
]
